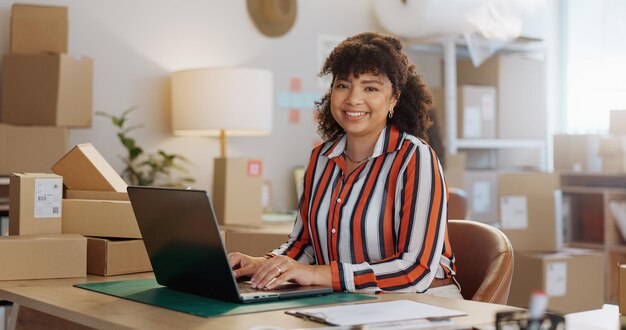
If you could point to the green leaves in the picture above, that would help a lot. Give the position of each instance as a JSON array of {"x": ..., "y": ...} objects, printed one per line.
[{"x": 145, "y": 169}]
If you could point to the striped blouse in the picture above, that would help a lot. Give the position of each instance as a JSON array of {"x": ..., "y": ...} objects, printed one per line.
[{"x": 381, "y": 227}]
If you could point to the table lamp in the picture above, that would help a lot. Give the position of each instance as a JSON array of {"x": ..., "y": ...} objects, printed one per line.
[{"x": 227, "y": 102}]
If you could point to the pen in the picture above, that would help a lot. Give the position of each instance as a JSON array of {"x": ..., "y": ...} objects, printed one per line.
[{"x": 536, "y": 309}]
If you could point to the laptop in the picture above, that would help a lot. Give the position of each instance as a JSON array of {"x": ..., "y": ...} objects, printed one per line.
[{"x": 183, "y": 240}]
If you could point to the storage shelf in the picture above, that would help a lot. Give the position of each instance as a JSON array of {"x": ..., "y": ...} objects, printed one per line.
[
  {"x": 520, "y": 45},
  {"x": 499, "y": 144},
  {"x": 586, "y": 245}
]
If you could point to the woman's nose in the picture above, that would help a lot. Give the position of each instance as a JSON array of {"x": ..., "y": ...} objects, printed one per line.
[{"x": 354, "y": 97}]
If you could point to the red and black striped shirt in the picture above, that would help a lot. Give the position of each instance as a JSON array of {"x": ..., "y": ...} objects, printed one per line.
[{"x": 381, "y": 227}]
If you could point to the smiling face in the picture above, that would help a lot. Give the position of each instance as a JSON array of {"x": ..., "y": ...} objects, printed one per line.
[{"x": 360, "y": 105}]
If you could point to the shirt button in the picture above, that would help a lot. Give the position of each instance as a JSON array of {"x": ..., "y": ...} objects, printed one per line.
[
  {"x": 338, "y": 200},
  {"x": 333, "y": 230}
]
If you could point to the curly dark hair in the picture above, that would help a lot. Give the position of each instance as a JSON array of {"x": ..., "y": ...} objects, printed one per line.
[{"x": 375, "y": 53}]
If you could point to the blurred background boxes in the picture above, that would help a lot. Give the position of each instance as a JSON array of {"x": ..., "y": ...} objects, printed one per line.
[
  {"x": 256, "y": 241},
  {"x": 47, "y": 89},
  {"x": 577, "y": 152},
  {"x": 30, "y": 148},
  {"x": 530, "y": 210},
  {"x": 521, "y": 113},
  {"x": 572, "y": 278},
  {"x": 38, "y": 29},
  {"x": 482, "y": 196},
  {"x": 107, "y": 257},
  {"x": 617, "y": 124},
  {"x": 476, "y": 112},
  {"x": 42, "y": 256},
  {"x": 35, "y": 204},
  {"x": 237, "y": 189}
]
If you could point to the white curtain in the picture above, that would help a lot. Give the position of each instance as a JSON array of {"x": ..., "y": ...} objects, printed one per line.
[{"x": 595, "y": 41}]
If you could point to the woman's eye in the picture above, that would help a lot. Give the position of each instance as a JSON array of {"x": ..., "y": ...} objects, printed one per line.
[
  {"x": 341, "y": 86},
  {"x": 371, "y": 89}
]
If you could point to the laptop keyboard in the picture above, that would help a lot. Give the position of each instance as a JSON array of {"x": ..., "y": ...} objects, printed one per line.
[{"x": 245, "y": 287}]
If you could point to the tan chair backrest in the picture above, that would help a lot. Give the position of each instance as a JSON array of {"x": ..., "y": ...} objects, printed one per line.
[
  {"x": 457, "y": 203},
  {"x": 484, "y": 261}
]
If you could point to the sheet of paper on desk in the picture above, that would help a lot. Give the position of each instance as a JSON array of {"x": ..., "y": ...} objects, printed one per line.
[{"x": 389, "y": 311}]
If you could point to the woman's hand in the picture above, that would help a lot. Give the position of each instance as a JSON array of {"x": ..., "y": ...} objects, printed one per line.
[
  {"x": 243, "y": 264},
  {"x": 280, "y": 269}
]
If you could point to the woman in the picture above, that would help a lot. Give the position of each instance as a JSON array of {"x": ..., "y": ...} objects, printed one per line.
[{"x": 372, "y": 212}]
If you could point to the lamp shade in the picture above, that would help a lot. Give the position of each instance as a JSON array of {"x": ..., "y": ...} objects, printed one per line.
[{"x": 237, "y": 101}]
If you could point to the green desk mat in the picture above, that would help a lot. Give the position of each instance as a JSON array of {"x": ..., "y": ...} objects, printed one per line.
[{"x": 148, "y": 291}]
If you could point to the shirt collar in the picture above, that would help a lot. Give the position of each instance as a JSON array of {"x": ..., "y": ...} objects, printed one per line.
[{"x": 389, "y": 140}]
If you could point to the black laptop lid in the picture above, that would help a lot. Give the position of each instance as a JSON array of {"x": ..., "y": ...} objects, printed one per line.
[{"x": 183, "y": 241}]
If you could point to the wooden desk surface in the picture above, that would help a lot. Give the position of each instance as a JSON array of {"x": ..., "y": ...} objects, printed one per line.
[{"x": 58, "y": 297}]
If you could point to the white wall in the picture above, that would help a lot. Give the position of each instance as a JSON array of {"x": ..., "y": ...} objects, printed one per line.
[{"x": 137, "y": 44}]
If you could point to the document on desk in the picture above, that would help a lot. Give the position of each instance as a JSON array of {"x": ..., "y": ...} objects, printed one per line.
[{"x": 389, "y": 311}]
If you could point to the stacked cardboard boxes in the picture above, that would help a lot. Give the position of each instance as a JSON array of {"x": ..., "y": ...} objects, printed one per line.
[
  {"x": 36, "y": 248},
  {"x": 97, "y": 206},
  {"x": 613, "y": 146},
  {"x": 45, "y": 90},
  {"x": 530, "y": 215}
]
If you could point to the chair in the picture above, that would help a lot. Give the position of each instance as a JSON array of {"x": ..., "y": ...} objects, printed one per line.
[
  {"x": 484, "y": 261},
  {"x": 457, "y": 203}
]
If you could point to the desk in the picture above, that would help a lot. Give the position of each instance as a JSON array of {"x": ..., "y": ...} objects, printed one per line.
[{"x": 58, "y": 297}]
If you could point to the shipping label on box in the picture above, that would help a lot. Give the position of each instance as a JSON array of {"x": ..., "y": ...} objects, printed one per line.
[
  {"x": 30, "y": 149},
  {"x": 514, "y": 212},
  {"x": 35, "y": 204},
  {"x": 43, "y": 256},
  {"x": 84, "y": 168},
  {"x": 556, "y": 279},
  {"x": 38, "y": 29},
  {"x": 531, "y": 218}
]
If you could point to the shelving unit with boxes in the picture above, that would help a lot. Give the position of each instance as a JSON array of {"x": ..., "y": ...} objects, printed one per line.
[
  {"x": 594, "y": 214},
  {"x": 495, "y": 117}
]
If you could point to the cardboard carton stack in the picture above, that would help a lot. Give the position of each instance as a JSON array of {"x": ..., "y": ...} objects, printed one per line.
[
  {"x": 613, "y": 146},
  {"x": 36, "y": 248},
  {"x": 97, "y": 206},
  {"x": 45, "y": 90},
  {"x": 530, "y": 215}
]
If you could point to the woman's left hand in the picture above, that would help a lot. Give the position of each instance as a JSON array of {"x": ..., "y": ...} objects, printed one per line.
[{"x": 281, "y": 269}]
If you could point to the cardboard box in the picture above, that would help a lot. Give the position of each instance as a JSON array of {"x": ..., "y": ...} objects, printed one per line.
[
  {"x": 577, "y": 152},
  {"x": 256, "y": 241},
  {"x": 617, "y": 122},
  {"x": 84, "y": 168},
  {"x": 100, "y": 195},
  {"x": 476, "y": 113},
  {"x": 573, "y": 279},
  {"x": 520, "y": 82},
  {"x": 42, "y": 256},
  {"x": 237, "y": 184},
  {"x": 38, "y": 29},
  {"x": 47, "y": 89},
  {"x": 99, "y": 218},
  {"x": 30, "y": 148},
  {"x": 613, "y": 164},
  {"x": 106, "y": 257},
  {"x": 622, "y": 288},
  {"x": 530, "y": 210},
  {"x": 35, "y": 204},
  {"x": 454, "y": 172},
  {"x": 613, "y": 145},
  {"x": 482, "y": 196}
]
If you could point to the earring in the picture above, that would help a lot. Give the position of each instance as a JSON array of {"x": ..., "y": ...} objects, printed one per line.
[{"x": 390, "y": 113}]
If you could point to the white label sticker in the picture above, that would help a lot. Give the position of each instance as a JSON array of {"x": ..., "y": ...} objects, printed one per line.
[
  {"x": 472, "y": 124},
  {"x": 514, "y": 212},
  {"x": 48, "y": 196},
  {"x": 481, "y": 196},
  {"x": 556, "y": 279}
]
